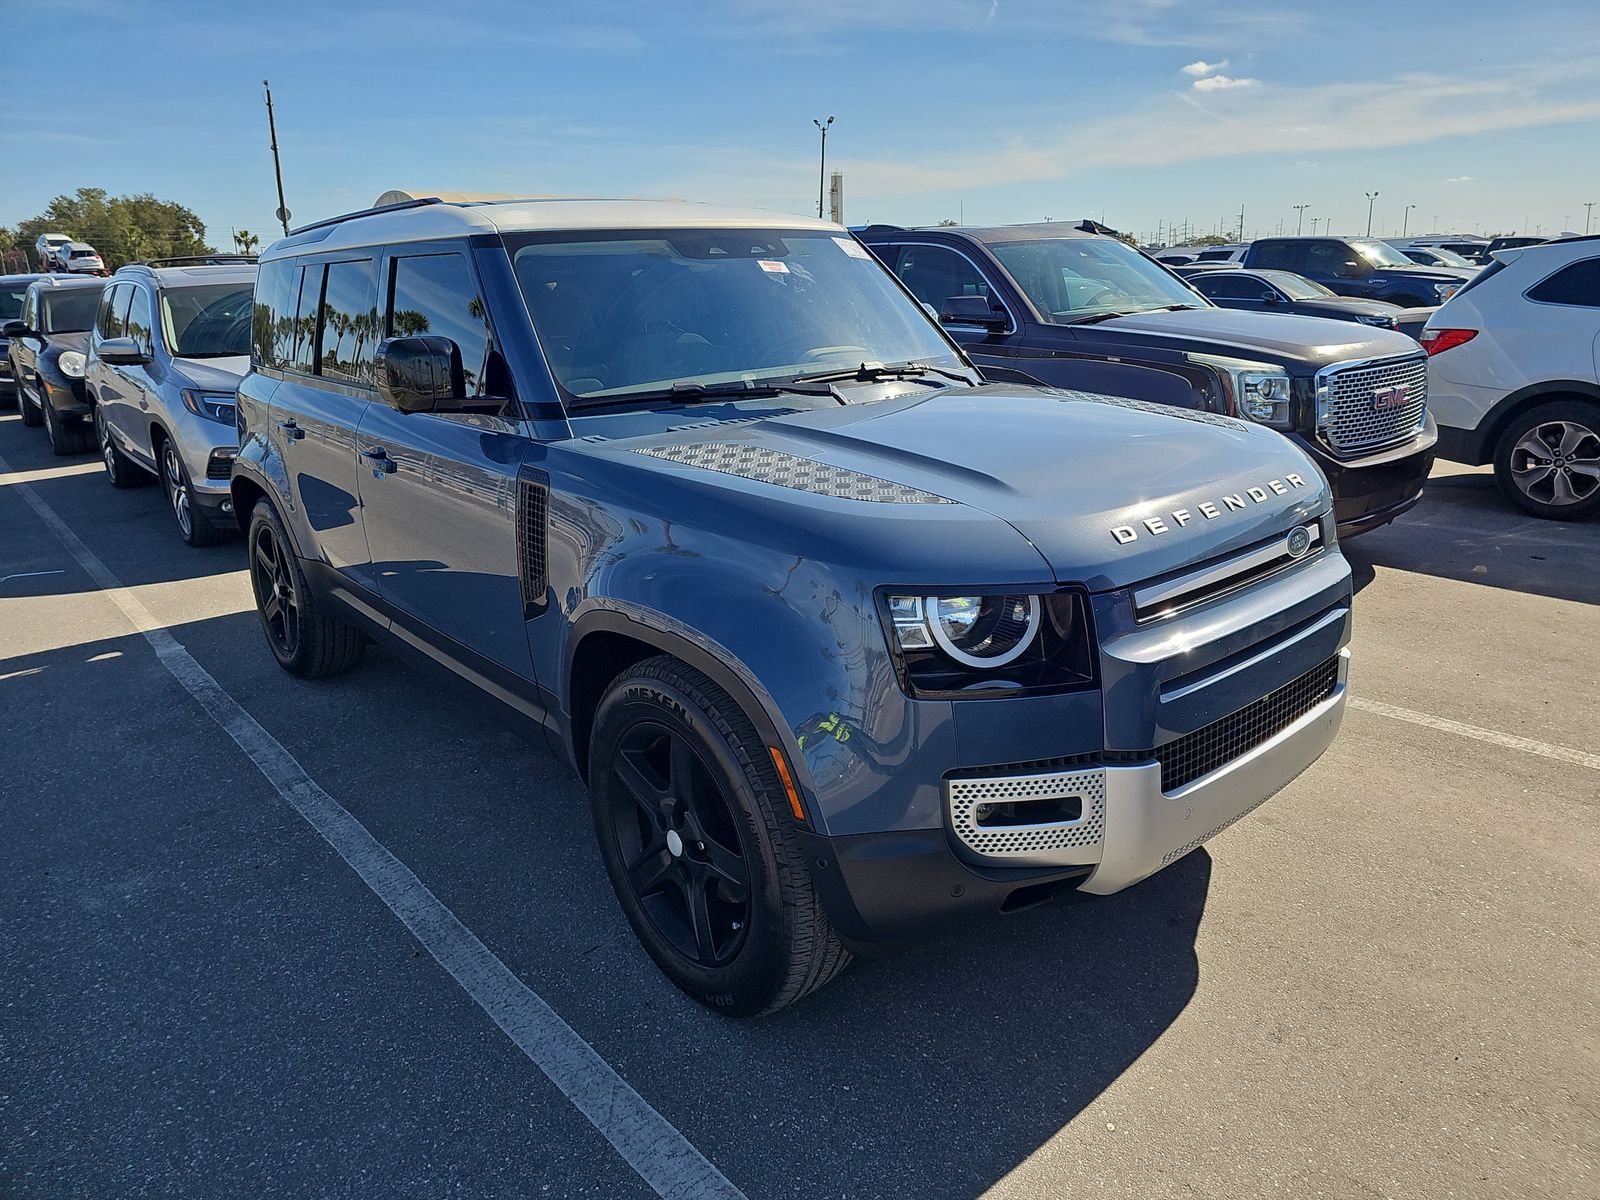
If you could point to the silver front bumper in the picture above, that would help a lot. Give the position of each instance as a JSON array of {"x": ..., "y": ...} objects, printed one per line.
[{"x": 1127, "y": 827}]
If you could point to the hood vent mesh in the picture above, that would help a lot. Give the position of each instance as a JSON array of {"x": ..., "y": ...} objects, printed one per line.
[{"x": 764, "y": 465}]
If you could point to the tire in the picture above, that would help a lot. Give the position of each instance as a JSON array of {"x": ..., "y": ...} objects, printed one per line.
[
  {"x": 700, "y": 845},
  {"x": 194, "y": 527},
  {"x": 121, "y": 470},
  {"x": 1547, "y": 462},
  {"x": 65, "y": 440},
  {"x": 32, "y": 412},
  {"x": 318, "y": 644}
]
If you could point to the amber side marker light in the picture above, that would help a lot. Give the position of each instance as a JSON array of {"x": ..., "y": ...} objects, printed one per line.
[{"x": 787, "y": 780}]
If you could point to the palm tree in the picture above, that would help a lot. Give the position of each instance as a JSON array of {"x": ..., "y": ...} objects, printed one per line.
[{"x": 245, "y": 242}]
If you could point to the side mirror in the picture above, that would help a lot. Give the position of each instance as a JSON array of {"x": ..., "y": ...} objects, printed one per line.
[
  {"x": 973, "y": 310},
  {"x": 1270, "y": 296},
  {"x": 418, "y": 374},
  {"x": 121, "y": 352},
  {"x": 1350, "y": 269},
  {"x": 17, "y": 329}
]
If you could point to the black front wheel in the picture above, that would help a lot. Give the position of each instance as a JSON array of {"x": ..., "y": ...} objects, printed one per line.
[
  {"x": 304, "y": 638},
  {"x": 32, "y": 409},
  {"x": 697, "y": 837}
]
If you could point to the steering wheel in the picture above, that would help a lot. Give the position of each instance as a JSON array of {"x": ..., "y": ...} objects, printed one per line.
[{"x": 1095, "y": 299}]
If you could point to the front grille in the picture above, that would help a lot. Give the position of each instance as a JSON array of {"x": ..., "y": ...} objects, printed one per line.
[
  {"x": 1056, "y": 841},
  {"x": 1349, "y": 397},
  {"x": 1185, "y": 759}
]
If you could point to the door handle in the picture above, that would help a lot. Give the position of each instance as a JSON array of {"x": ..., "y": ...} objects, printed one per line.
[
  {"x": 290, "y": 430},
  {"x": 380, "y": 462}
]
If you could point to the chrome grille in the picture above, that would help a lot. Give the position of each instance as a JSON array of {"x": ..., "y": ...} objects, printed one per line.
[
  {"x": 1185, "y": 759},
  {"x": 1347, "y": 396}
]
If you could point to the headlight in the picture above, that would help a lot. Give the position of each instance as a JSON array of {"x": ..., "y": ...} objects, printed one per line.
[
  {"x": 1445, "y": 290},
  {"x": 1260, "y": 391},
  {"x": 969, "y": 645},
  {"x": 71, "y": 364},
  {"x": 214, "y": 406}
]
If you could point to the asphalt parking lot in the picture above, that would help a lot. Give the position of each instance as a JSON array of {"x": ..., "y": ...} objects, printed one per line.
[{"x": 1383, "y": 984}]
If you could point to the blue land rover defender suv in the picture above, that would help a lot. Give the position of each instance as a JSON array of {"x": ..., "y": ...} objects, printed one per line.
[{"x": 843, "y": 640}]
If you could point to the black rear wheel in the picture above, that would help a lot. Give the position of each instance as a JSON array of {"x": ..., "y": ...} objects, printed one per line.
[{"x": 700, "y": 845}]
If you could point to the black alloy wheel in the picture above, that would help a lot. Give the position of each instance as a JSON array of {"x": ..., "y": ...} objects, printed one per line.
[{"x": 277, "y": 591}]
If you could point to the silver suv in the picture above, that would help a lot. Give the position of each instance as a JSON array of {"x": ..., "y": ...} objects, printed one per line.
[{"x": 170, "y": 344}]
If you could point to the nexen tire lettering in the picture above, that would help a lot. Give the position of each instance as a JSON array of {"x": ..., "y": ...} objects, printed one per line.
[{"x": 1209, "y": 510}]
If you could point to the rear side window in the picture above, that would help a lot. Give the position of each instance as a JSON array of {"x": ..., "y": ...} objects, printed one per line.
[
  {"x": 1230, "y": 287},
  {"x": 437, "y": 294},
  {"x": 113, "y": 319},
  {"x": 1576, "y": 283},
  {"x": 348, "y": 322},
  {"x": 1283, "y": 256}
]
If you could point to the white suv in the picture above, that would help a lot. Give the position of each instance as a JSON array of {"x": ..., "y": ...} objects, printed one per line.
[{"x": 1513, "y": 377}]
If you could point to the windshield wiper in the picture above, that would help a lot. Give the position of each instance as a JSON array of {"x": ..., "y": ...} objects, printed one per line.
[
  {"x": 692, "y": 391},
  {"x": 868, "y": 372},
  {"x": 1096, "y": 318}
]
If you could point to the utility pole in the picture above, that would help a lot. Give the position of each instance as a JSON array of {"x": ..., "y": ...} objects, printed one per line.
[
  {"x": 1405, "y": 219},
  {"x": 1588, "y": 211},
  {"x": 822, "y": 166},
  {"x": 277, "y": 167},
  {"x": 1241, "y": 222},
  {"x": 1371, "y": 197},
  {"x": 1300, "y": 219}
]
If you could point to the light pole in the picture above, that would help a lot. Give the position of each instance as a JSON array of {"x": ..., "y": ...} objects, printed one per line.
[
  {"x": 1300, "y": 218},
  {"x": 1371, "y": 196},
  {"x": 1405, "y": 219},
  {"x": 822, "y": 165},
  {"x": 1588, "y": 211},
  {"x": 272, "y": 126}
]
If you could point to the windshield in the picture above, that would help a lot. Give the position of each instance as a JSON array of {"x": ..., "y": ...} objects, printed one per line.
[
  {"x": 207, "y": 322},
  {"x": 1296, "y": 287},
  {"x": 11, "y": 300},
  {"x": 1071, "y": 278},
  {"x": 642, "y": 310},
  {"x": 68, "y": 311},
  {"x": 1380, "y": 254}
]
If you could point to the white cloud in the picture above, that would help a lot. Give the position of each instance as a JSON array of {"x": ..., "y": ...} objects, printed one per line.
[
  {"x": 1204, "y": 68},
  {"x": 1461, "y": 179},
  {"x": 1221, "y": 83}
]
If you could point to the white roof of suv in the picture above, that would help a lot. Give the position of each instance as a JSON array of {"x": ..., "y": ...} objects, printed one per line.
[{"x": 429, "y": 219}]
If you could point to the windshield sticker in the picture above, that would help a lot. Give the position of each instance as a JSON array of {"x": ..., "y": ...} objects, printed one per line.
[
  {"x": 773, "y": 267},
  {"x": 852, "y": 247}
]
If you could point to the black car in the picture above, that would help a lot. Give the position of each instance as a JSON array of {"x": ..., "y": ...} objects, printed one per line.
[
  {"x": 1286, "y": 292},
  {"x": 12, "y": 290},
  {"x": 1355, "y": 266},
  {"x": 1510, "y": 242},
  {"x": 48, "y": 350},
  {"x": 1075, "y": 308}
]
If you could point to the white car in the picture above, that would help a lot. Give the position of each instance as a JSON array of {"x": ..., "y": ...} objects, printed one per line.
[
  {"x": 48, "y": 247},
  {"x": 80, "y": 258},
  {"x": 1513, "y": 377}
]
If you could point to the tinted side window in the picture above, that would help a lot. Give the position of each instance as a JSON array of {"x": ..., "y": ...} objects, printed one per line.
[
  {"x": 297, "y": 341},
  {"x": 437, "y": 294},
  {"x": 933, "y": 274},
  {"x": 113, "y": 319},
  {"x": 140, "y": 319},
  {"x": 1576, "y": 283},
  {"x": 1283, "y": 256},
  {"x": 348, "y": 322},
  {"x": 1231, "y": 288},
  {"x": 273, "y": 313}
]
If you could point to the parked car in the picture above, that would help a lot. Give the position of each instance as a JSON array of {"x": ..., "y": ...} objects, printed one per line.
[
  {"x": 47, "y": 249},
  {"x": 170, "y": 344},
  {"x": 47, "y": 345},
  {"x": 1514, "y": 375},
  {"x": 1363, "y": 267},
  {"x": 1285, "y": 292},
  {"x": 1511, "y": 242},
  {"x": 80, "y": 258},
  {"x": 1080, "y": 310},
  {"x": 1182, "y": 256},
  {"x": 1437, "y": 256},
  {"x": 12, "y": 290},
  {"x": 843, "y": 643},
  {"x": 1470, "y": 247}
]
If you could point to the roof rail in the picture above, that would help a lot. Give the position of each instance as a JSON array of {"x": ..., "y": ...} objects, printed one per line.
[
  {"x": 196, "y": 260},
  {"x": 365, "y": 212},
  {"x": 884, "y": 229}
]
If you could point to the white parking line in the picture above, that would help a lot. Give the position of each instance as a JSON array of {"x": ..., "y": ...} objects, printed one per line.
[
  {"x": 647, "y": 1141},
  {"x": 1581, "y": 758}
]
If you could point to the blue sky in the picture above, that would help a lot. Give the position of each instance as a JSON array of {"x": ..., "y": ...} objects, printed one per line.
[{"x": 1009, "y": 110}]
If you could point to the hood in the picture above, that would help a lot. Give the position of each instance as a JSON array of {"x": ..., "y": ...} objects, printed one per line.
[
  {"x": 1109, "y": 491},
  {"x": 1430, "y": 274},
  {"x": 59, "y": 342},
  {"x": 1350, "y": 304},
  {"x": 214, "y": 374},
  {"x": 1282, "y": 337}
]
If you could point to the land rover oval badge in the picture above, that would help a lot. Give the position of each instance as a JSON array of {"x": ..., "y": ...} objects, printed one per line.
[{"x": 1299, "y": 541}]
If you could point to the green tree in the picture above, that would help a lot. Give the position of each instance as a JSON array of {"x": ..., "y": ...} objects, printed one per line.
[
  {"x": 123, "y": 228},
  {"x": 245, "y": 242}
]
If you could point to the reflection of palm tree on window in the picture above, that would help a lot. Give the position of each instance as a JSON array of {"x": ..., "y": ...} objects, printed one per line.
[{"x": 408, "y": 322}]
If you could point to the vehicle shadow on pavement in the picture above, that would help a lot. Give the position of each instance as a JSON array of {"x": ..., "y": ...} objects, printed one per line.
[{"x": 1464, "y": 530}]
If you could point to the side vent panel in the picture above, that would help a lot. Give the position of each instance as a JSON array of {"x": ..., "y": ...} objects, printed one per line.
[{"x": 533, "y": 522}]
